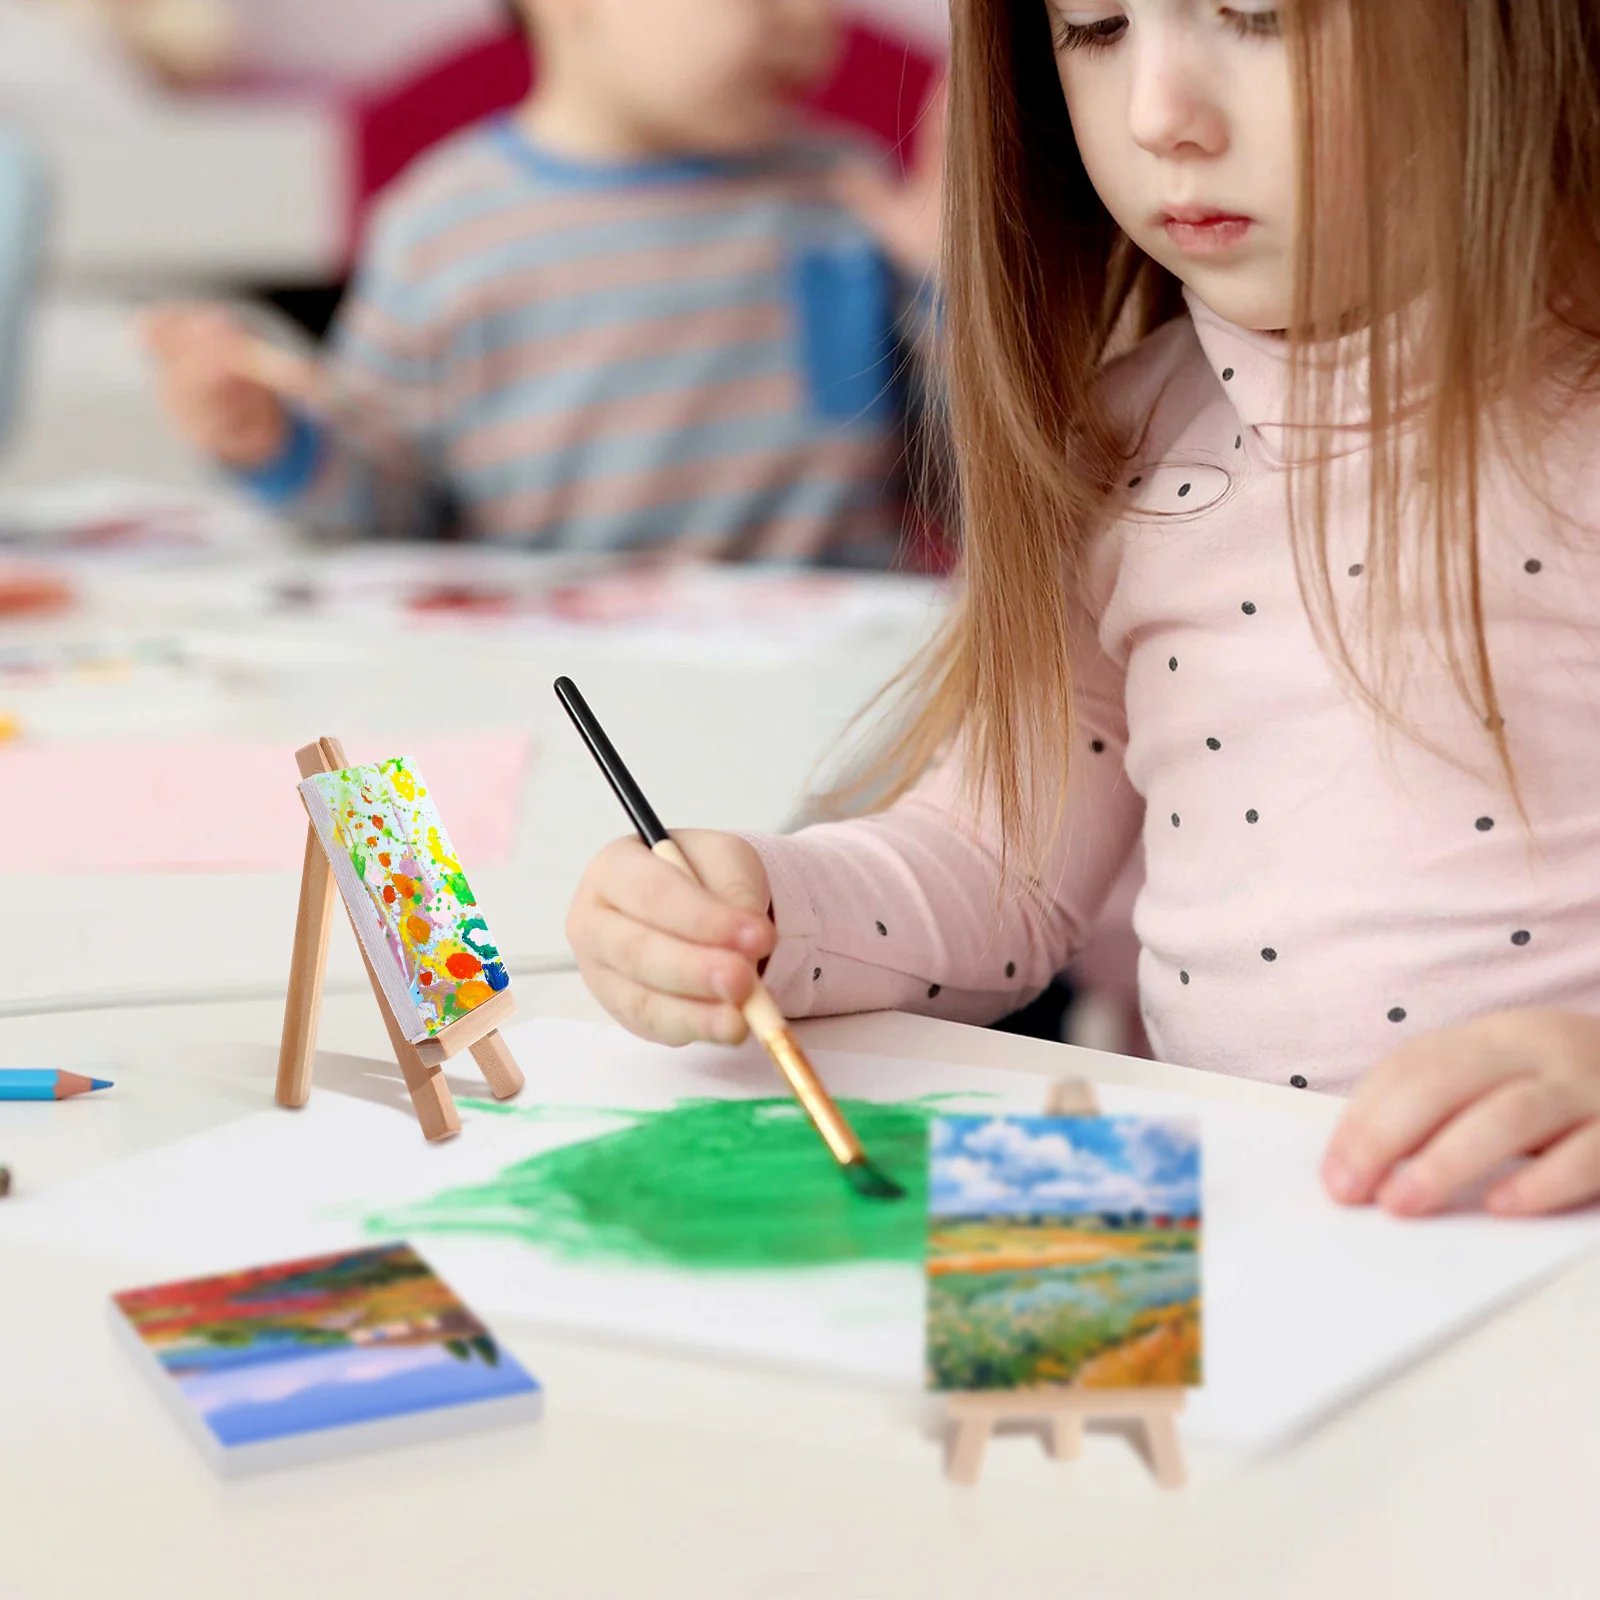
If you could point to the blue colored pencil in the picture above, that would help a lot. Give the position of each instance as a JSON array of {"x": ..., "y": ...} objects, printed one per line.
[{"x": 30, "y": 1083}]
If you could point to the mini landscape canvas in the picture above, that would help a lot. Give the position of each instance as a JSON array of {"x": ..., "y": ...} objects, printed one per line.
[
  {"x": 1063, "y": 1250},
  {"x": 313, "y": 1357},
  {"x": 413, "y": 908}
]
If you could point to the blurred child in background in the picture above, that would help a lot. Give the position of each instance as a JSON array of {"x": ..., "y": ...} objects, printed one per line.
[{"x": 644, "y": 312}]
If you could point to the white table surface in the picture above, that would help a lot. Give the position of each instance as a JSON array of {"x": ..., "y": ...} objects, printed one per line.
[{"x": 1471, "y": 1475}]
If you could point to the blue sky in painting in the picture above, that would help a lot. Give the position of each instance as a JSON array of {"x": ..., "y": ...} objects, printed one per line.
[
  {"x": 333, "y": 1388},
  {"x": 1062, "y": 1165}
]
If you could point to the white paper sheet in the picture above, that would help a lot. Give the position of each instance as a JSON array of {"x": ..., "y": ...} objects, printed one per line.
[{"x": 1305, "y": 1304}]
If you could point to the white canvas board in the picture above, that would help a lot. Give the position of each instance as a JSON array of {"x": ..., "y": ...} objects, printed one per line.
[{"x": 1305, "y": 1304}]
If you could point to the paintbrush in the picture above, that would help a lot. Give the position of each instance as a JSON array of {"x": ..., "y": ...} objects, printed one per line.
[{"x": 761, "y": 1011}]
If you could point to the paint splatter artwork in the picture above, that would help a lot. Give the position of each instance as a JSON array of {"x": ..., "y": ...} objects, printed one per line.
[{"x": 411, "y": 902}]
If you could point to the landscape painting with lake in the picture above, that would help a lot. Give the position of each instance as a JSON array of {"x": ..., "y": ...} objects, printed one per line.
[{"x": 1063, "y": 1250}]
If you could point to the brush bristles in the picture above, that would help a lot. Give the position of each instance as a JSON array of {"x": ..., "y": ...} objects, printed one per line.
[{"x": 870, "y": 1182}]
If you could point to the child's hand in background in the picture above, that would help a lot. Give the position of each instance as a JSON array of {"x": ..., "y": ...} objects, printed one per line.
[
  {"x": 1457, "y": 1104},
  {"x": 904, "y": 216},
  {"x": 671, "y": 960},
  {"x": 218, "y": 407}
]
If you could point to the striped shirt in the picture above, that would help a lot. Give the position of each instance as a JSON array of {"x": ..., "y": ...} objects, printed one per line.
[{"x": 691, "y": 352}]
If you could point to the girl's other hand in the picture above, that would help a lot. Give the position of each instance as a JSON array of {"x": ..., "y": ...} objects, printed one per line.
[
  {"x": 204, "y": 357},
  {"x": 671, "y": 960},
  {"x": 1447, "y": 1110}
]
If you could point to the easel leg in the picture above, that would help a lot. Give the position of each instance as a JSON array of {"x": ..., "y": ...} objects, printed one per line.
[
  {"x": 966, "y": 1454},
  {"x": 1066, "y": 1436},
  {"x": 312, "y": 924},
  {"x": 498, "y": 1066},
  {"x": 1166, "y": 1454},
  {"x": 430, "y": 1094}
]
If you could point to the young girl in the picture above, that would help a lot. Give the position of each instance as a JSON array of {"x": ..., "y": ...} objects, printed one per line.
[{"x": 1305, "y": 587}]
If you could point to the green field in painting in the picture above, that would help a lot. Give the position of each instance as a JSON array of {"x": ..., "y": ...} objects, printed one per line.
[{"x": 1013, "y": 1303}]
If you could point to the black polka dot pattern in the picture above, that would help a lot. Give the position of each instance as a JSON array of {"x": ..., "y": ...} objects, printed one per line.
[
  {"x": 1532, "y": 567},
  {"x": 1521, "y": 937},
  {"x": 1183, "y": 491},
  {"x": 1176, "y": 820},
  {"x": 1098, "y": 746},
  {"x": 1484, "y": 824},
  {"x": 1213, "y": 744},
  {"x": 1134, "y": 482},
  {"x": 1252, "y": 816},
  {"x": 881, "y": 929},
  {"x": 1183, "y": 978},
  {"x": 1357, "y": 569},
  {"x": 1238, "y": 441},
  {"x": 933, "y": 990},
  {"x": 1297, "y": 1082},
  {"x": 1249, "y": 608},
  {"x": 1269, "y": 954},
  {"x": 1397, "y": 1013},
  {"x": 816, "y": 972},
  {"x": 1172, "y": 663},
  {"x": 1011, "y": 969},
  {"x": 1227, "y": 374}
]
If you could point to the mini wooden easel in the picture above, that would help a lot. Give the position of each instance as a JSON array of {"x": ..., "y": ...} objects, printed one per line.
[
  {"x": 421, "y": 1064},
  {"x": 1067, "y": 1409}
]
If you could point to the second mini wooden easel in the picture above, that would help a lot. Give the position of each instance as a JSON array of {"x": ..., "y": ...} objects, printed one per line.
[
  {"x": 1066, "y": 1409},
  {"x": 420, "y": 1064}
]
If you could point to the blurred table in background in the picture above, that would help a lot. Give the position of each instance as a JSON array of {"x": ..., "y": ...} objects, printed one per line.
[{"x": 726, "y": 687}]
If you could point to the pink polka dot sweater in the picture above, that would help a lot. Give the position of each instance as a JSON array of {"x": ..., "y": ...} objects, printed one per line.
[{"x": 1319, "y": 887}]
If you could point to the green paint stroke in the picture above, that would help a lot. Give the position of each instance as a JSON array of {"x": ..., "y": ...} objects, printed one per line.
[{"x": 730, "y": 1185}]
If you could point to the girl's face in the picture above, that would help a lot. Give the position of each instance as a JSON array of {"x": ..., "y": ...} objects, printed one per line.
[{"x": 1184, "y": 115}]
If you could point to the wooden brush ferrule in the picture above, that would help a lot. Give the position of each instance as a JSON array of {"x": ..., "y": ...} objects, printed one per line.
[
  {"x": 771, "y": 1027},
  {"x": 807, "y": 1088}
]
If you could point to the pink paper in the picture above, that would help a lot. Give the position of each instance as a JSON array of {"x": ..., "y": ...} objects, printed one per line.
[{"x": 218, "y": 805}]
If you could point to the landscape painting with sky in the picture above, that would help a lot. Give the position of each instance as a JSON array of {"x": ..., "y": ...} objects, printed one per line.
[{"x": 1063, "y": 1250}]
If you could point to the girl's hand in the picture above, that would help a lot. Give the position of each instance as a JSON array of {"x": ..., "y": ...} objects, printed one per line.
[
  {"x": 219, "y": 408},
  {"x": 1455, "y": 1105},
  {"x": 670, "y": 960}
]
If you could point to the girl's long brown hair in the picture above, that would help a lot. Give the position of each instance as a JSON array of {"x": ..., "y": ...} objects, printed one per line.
[{"x": 1469, "y": 130}]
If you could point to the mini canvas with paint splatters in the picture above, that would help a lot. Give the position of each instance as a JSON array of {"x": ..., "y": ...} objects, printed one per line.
[{"x": 413, "y": 908}]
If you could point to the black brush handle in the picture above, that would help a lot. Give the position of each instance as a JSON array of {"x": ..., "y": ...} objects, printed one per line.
[{"x": 611, "y": 764}]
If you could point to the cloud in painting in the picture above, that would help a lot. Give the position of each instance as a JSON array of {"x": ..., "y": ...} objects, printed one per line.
[{"x": 996, "y": 1165}]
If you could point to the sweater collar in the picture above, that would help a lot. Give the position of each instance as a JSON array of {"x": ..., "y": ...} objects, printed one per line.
[{"x": 1253, "y": 369}]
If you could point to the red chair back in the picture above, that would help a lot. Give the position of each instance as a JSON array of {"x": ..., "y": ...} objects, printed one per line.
[{"x": 879, "y": 86}]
